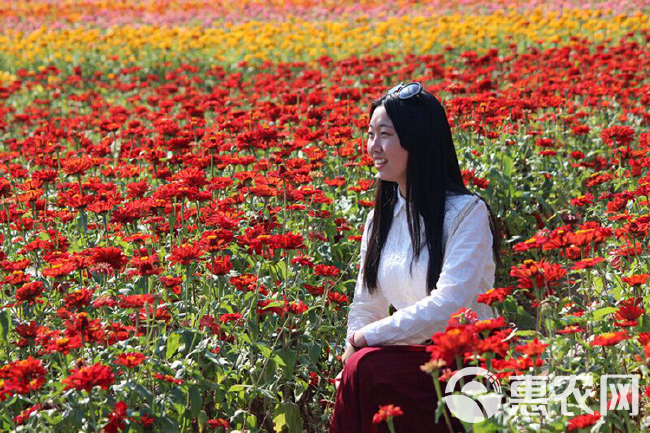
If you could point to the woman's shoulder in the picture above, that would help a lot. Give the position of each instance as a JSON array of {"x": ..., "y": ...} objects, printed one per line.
[{"x": 459, "y": 202}]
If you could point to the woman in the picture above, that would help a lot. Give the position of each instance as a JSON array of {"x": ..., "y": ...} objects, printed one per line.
[{"x": 410, "y": 141}]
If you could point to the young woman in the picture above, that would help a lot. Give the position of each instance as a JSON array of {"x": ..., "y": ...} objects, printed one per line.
[{"x": 420, "y": 195}]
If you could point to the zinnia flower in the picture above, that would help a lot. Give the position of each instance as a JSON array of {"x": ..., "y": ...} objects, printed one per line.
[
  {"x": 130, "y": 359},
  {"x": 386, "y": 412},
  {"x": 185, "y": 254},
  {"x": 86, "y": 378},
  {"x": 609, "y": 338},
  {"x": 583, "y": 421}
]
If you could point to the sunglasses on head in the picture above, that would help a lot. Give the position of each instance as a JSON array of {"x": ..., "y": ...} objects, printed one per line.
[{"x": 406, "y": 91}]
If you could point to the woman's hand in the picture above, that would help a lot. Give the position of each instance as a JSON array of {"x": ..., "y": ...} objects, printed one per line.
[
  {"x": 337, "y": 380},
  {"x": 359, "y": 340},
  {"x": 348, "y": 353}
]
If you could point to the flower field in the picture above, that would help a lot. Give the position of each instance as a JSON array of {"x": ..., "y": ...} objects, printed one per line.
[{"x": 183, "y": 186}]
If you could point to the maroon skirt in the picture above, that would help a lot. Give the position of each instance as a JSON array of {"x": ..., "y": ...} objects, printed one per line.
[{"x": 381, "y": 375}]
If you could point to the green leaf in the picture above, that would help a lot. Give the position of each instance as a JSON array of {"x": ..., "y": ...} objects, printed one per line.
[
  {"x": 287, "y": 415},
  {"x": 600, "y": 313},
  {"x": 289, "y": 358},
  {"x": 314, "y": 352},
  {"x": 281, "y": 268},
  {"x": 237, "y": 388},
  {"x": 526, "y": 333},
  {"x": 487, "y": 426},
  {"x": 5, "y": 325},
  {"x": 196, "y": 402},
  {"x": 173, "y": 343}
]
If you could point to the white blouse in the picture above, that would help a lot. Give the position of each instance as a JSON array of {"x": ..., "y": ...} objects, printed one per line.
[{"x": 468, "y": 270}]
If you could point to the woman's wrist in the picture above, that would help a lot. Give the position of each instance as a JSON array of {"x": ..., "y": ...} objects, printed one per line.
[
  {"x": 354, "y": 345},
  {"x": 357, "y": 340}
]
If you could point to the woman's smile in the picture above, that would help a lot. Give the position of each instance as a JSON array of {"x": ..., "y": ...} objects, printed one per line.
[{"x": 380, "y": 163}]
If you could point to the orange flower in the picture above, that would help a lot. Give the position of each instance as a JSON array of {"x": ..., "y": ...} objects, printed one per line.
[
  {"x": 540, "y": 274},
  {"x": 636, "y": 280},
  {"x": 609, "y": 338},
  {"x": 455, "y": 341},
  {"x": 533, "y": 348},
  {"x": 494, "y": 295},
  {"x": 130, "y": 359},
  {"x": 385, "y": 413}
]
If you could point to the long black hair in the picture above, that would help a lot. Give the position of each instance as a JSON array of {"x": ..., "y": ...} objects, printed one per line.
[{"x": 432, "y": 172}]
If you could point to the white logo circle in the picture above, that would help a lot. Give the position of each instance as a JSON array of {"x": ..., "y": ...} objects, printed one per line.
[{"x": 464, "y": 406}]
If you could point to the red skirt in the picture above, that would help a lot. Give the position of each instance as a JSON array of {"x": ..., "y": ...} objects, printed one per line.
[{"x": 381, "y": 375}]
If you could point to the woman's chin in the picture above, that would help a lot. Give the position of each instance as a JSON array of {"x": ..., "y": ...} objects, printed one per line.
[{"x": 383, "y": 177}]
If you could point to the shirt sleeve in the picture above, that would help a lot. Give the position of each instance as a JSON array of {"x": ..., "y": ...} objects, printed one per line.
[
  {"x": 465, "y": 259},
  {"x": 365, "y": 308}
]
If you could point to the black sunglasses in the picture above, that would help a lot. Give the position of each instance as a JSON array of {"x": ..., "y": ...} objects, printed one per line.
[{"x": 406, "y": 91}]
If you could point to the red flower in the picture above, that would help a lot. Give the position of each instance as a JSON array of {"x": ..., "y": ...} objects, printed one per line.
[
  {"x": 112, "y": 256},
  {"x": 489, "y": 324},
  {"x": 336, "y": 297},
  {"x": 229, "y": 317},
  {"x": 116, "y": 418},
  {"x": 30, "y": 293},
  {"x": 24, "y": 415},
  {"x": 533, "y": 348},
  {"x": 130, "y": 359},
  {"x": 77, "y": 166},
  {"x": 78, "y": 299},
  {"x": 386, "y": 412},
  {"x": 609, "y": 338},
  {"x": 213, "y": 240},
  {"x": 583, "y": 421},
  {"x": 186, "y": 254},
  {"x": 332, "y": 271},
  {"x": 314, "y": 290},
  {"x": 540, "y": 274},
  {"x": 617, "y": 135},
  {"x": 86, "y": 378},
  {"x": 455, "y": 341},
  {"x": 23, "y": 376},
  {"x": 82, "y": 325},
  {"x": 135, "y": 301},
  {"x": 145, "y": 421},
  {"x": 168, "y": 378},
  {"x": 263, "y": 307},
  {"x": 570, "y": 329},
  {"x": 297, "y": 307},
  {"x": 220, "y": 265},
  {"x": 494, "y": 344},
  {"x": 587, "y": 263},
  {"x": 636, "y": 280},
  {"x": 218, "y": 423},
  {"x": 583, "y": 200},
  {"x": 64, "y": 344},
  {"x": 494, "y": 295},
  {"x": 627, "y": 315}
]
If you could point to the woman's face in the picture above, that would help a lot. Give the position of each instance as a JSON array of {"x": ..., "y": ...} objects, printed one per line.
[{"x": 385, "y": 149}]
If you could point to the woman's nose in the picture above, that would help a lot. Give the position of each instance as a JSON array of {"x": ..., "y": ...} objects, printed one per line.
[{"x": 373, "y": 146}]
